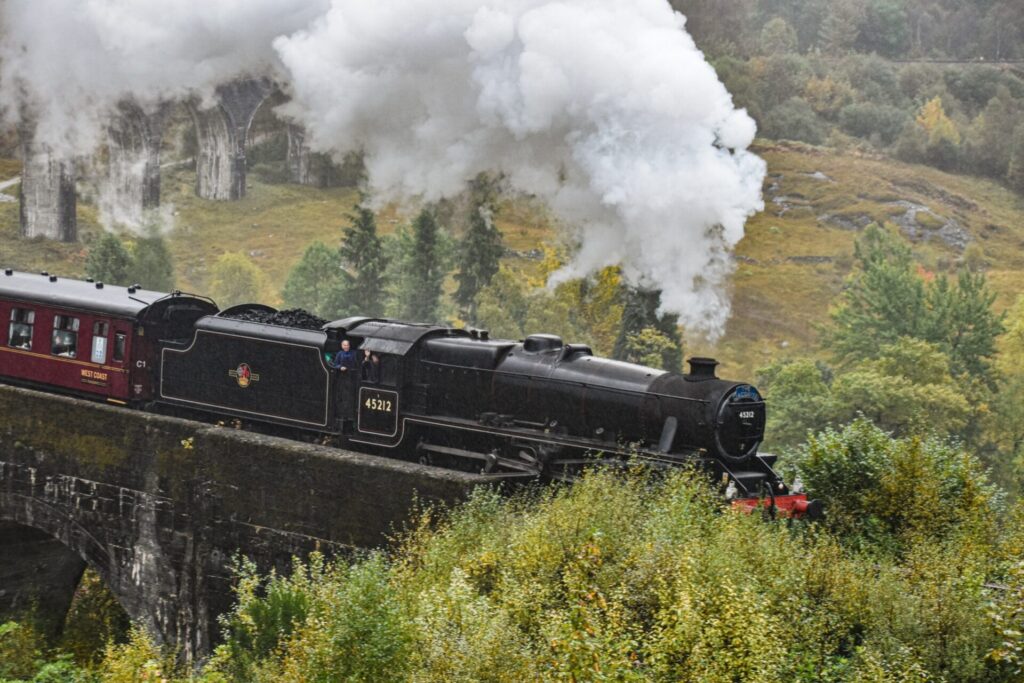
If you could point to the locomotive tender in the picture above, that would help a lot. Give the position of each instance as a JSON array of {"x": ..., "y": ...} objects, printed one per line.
[{"x": 444, "y": 396}]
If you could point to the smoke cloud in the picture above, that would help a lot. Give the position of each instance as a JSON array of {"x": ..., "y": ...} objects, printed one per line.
[{"x": 604, "y": 108}]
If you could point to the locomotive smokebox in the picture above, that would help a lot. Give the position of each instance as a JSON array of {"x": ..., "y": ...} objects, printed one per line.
[{"x": 702, "y": 369}]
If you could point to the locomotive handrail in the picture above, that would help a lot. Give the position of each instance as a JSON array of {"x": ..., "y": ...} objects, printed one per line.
[
  {"x": 569, "y": 382},
  {"x": 178, "y": 293}
]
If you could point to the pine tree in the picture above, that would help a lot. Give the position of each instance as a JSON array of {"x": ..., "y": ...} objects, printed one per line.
[
  {"x": 479, "y": 257},
  {"x": 640, "y": 312},
  {"x": 963, "y": 325},
  {"x": 151, "y": 263},
  {"x": 778, "y": 37},
  {"x": 108, "y": 261},
  {"x": 313, "y": 280},
  {"x": 888, "y": 300},
  {"x": 420, "y": 270},
  {"x": 841, "y": 28},
  {"x": 362, "y": 255},
  {"x": 884, "y": 301}
]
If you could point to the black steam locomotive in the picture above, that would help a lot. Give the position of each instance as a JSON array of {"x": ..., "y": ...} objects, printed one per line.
[{"x": 444, "y": 396}]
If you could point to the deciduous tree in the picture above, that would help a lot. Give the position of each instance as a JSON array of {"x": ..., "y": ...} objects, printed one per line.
[
  {"x": 313, "y": 280},
  {"x": 987, "y": 148},
  {"x": 234, "y": 279}
]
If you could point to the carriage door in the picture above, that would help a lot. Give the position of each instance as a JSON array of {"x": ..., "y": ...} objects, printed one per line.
[{"x": 378, "y": 395}]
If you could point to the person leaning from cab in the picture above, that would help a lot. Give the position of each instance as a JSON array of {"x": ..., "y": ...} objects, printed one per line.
[
  {"x": 370, "y": 369},
  {"x": 345, "y": 359}
]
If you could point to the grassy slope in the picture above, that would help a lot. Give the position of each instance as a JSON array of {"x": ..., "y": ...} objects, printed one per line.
[
  {"x": 789, "y": 266},
  {"x": 778, "y": 302}
]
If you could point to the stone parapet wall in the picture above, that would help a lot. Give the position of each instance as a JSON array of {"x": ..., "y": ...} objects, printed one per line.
[{"x": 159, "y": 506}]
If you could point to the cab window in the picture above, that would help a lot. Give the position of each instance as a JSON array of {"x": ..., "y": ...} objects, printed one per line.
[
  {"x": 389, "y": 370},
  {"x": 20, "y": 332},
  {"x": 379, "y": 368},
  {"x": 99, "y": 342},
  {"x": 119, "y": 344},
  {"x": 65, "y": 336}
]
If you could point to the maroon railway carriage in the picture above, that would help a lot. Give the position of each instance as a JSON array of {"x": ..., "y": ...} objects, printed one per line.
[{"x": 88, "y": 338}]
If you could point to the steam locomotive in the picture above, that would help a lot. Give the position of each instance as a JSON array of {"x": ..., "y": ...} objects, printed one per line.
[{"x": 445, "y": 396}]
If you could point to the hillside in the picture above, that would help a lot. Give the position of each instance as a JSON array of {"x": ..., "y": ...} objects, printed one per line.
[
  {"x": 789, "y": 267},
  {"x": 798, "y": 251}
]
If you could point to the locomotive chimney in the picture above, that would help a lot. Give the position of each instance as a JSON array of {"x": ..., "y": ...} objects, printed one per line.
[{"x": 701, "y": 369}]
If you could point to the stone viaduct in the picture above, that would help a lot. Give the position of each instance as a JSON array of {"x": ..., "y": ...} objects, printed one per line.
[
  {"x": 134, "y": 139},
  {"x": 159, "y": 507}
]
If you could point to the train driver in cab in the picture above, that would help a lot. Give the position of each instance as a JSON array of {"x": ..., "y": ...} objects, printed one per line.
[{"x": 345, "y": 359}]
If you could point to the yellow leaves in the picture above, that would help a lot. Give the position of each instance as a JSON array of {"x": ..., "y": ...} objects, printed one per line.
[
  {"x": 827, "y": 95},
  {"x": 933, "y": 119},
  {"x": 553, "y": 259},
  {"x": 140, "y": 659}
]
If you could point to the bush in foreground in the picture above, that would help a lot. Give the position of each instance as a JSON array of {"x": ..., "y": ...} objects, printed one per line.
[{"x": 624, "y": 578}]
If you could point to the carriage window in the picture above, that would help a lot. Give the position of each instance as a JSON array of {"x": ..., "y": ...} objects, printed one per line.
[
  {"x": 99, "y": 342},
  {"x": 65, "y": 336},
  {"x": 20, "y": 334},
  {"x": 119, "y": 342}
]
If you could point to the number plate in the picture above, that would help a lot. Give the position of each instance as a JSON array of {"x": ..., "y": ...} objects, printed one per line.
[{"x": 378, "y": 411}]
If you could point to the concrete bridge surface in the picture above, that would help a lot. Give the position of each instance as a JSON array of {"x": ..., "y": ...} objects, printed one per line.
[{"x": 159, "y": 506}]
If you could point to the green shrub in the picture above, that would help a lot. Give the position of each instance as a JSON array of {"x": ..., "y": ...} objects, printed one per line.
[
  {"x": 139, "y": 659},
  {"x": 108, "y": 260},
  {"x": 323, "y": 622},
  {"x": 632, "y": 577},
  {"x": 272, "y": 172},
  {"x": 888, "y": 493},
  {"x": 867, "y": 119},
  {"x": 94, "y": 619},
  {"x": 20, "y": 650},
  {"x": 794, "y": 119}
]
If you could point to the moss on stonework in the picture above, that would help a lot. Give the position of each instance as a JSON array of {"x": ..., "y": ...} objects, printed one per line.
[{"x": 42, "y": 427}]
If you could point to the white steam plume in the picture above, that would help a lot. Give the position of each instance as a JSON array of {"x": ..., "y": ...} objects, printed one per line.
[
  {"x": 603, "y": 107},
  {"x": 65, "y": 64},
  {"x": 606, "y": 108}
]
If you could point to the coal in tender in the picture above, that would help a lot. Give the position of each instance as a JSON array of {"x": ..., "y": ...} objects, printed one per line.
[{"x": 292, "y": 317}]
